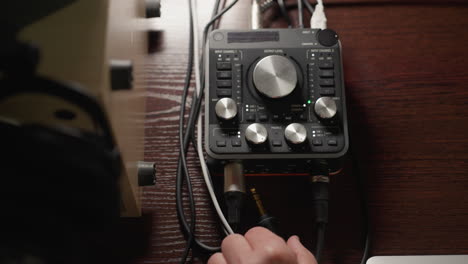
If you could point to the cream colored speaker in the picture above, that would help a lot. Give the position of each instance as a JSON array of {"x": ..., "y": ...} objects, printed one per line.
[{"x": 82, "y": 43}]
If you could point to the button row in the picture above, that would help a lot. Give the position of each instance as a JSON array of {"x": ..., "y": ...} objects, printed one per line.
[
  {"x": 224, "y": 79},
  {"x": 326, "y": 75},
  {"x": 274, "y": 117},
  {"x": 234, "y": 142},
  {"x": 319, "y": 142},
  {"x": 277, "y": 143},
  {"x": 229, "y": 76}
]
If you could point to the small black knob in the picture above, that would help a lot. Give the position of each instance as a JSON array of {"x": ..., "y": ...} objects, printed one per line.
[
  {"x": 121, "y": 73},
  {"x": 146, "y": 173},
  {"x": 327, "y": 37},
  {"x": 153, "y": 8}
]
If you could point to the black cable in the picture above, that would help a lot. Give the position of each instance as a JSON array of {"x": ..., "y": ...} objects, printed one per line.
[
  {"x": 300, "y": 11},
  {"x": 320, "y": 197},
  {"x": 182, "y": 164},
  {"x": 320, "y": 242},
  {"x": 308, "y": 6},
  {"x": 214, "y": 12},
  {"x": 213, "y": 19},
  {"x": 364, "y": 207},
  {"x": 186, "y": 138},
  {"x": 284, "y": 12},
  {"x": 182, "y": 152}
]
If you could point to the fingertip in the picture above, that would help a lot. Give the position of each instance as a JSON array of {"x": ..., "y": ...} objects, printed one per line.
[
  {"x": 233, "y": 240},
  {"x": 235, "y": 248},
  {"x": 217, "y": 258},
  {"x": 257, "y": 230},
  {"x": 294, "y": 240},
  {"x": 304, "y": 256}
]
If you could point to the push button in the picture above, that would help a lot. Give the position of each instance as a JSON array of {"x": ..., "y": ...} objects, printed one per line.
[
  {"x": 326, "y": 65},
  {"x": 223, "y": 92},
  {"x": 223, "y": 66},
  {"x": 327, "y": 73},
  {"x": 250, "y": 117},
  {"x": 236, "y": 142},
  {"x": 221, "y": 143},
  {"x": 224, "y": 75},
  {"x": 327, "y": 91},
  {"x": 332, "y": 142},
  {"x": 327, "y": 82},
  {"x": 224, "y": 84},
  {"x": 317, "y": 142},
  {"x": 263, "y": 117},
  {"x": 277, "y": 143}
]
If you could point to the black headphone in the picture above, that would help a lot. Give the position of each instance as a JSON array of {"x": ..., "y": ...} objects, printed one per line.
[{"x": 59, "y": 185}]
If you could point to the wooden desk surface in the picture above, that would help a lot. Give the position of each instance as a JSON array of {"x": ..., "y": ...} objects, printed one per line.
[{"x": 406, "y": 76}]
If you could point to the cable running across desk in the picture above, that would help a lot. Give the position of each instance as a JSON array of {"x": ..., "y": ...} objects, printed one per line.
[{"x": 185, "y": 139}]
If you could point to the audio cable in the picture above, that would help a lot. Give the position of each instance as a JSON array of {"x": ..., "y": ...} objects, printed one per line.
[
  {"x": 234, "y": 192},
  {"x": 300, "y": 11},
  {"x": 318, "y": 19},
  {"x": 182, "y": 168},
  {"x": 320, "y": 198},
  {"x": 267, "y": 221},
  {"x": 363, "y": 201},
  {"x": 188, "y": 137},
  {"x": 200, "y": 86},
  {"x": 308, "y": 6},
  {"x": 284, "y": 12}
]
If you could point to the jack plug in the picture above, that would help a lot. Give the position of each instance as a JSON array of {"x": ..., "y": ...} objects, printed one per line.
[
  {"x": 267, "y": 221},
  {"x": 234, "y": 192}
]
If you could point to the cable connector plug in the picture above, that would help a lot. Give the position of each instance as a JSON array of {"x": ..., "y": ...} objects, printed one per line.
[
  {"x": 234, "y": 192},
  {"x": 320, "y": 198},
  {"x": 235, "y": 203},
  {"x": 266, "y": 220},
  {"x": 318, "y": 19}
]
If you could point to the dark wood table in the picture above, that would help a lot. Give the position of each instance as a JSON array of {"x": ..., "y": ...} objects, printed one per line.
[{"x": 406, "y": 74}]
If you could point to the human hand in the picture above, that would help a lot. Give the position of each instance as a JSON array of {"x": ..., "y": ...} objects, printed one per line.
[{"x": 260, "y": 246}]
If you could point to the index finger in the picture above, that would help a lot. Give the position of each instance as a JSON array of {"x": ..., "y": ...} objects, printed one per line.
[{"x": 235, "y": 248}]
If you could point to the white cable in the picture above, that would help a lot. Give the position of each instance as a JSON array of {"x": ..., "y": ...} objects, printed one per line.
[
  {"x": 204, "y": 167},
  {"x": 318, "y": 19}
]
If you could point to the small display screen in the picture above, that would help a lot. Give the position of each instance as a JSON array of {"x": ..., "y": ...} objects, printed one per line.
[{"x": 252, "y": 37}]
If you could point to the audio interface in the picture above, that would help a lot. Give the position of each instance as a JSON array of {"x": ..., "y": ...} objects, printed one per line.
[{"x": 275, "y": 99}]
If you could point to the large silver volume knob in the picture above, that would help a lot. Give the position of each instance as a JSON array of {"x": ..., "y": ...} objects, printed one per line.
[
  {"x": 275, "y": 76},
  {"x": 295, "y": 133},
  {"x": 226, "y": 108},
  {"x": 256, "y": 133},
  {"x": 325, "y": 107}
]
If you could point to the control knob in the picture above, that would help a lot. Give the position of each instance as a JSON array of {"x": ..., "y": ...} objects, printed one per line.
[
  {"x": 325, "y": 107},
  {"x": 295, "y": 133},
  {"x": 226, "y": 108},
  {"x": 275, "y": 76},
  {"x": 256, "y": 133}
]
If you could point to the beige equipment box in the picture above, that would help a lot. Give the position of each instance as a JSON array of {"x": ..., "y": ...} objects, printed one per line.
[{"x": 81, "y": 43}]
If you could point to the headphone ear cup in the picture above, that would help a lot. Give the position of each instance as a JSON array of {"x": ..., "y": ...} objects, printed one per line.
[{"x": 59, "y": 188}]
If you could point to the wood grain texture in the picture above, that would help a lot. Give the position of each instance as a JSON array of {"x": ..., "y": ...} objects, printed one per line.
[{"x": 406, "y": 77}]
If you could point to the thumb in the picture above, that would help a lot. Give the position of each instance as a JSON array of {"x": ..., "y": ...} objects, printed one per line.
[{"x": 303, "y": 254}]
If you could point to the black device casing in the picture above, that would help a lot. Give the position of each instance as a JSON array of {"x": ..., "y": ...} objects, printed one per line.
[{"x": 242, "y": 50}]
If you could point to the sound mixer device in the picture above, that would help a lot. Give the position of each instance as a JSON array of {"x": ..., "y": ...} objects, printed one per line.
[{"x": 275, "y": 99}]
